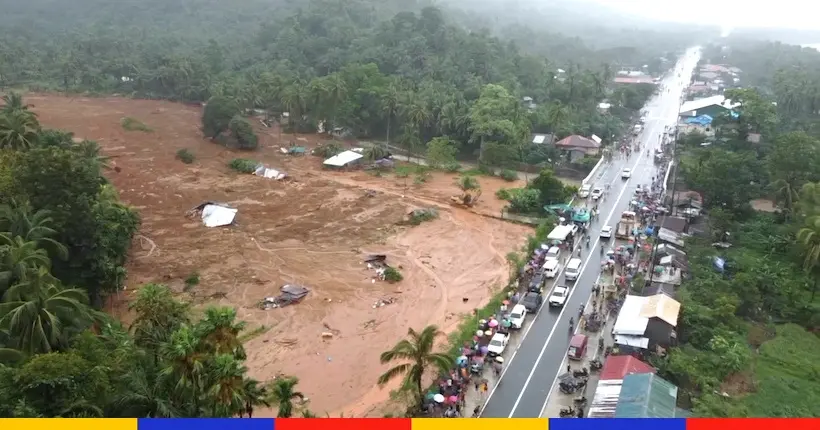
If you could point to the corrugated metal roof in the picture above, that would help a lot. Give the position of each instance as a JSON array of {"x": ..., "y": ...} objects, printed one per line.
[
  {"x": 343, "y": 159},
  {"x": 629, "y": 321},
  {"x": 646, "y": 395},
  {"x": 663, "y": 307},
  {"x": 619, "y": 366},
  {"x": 605, "y": 399}
]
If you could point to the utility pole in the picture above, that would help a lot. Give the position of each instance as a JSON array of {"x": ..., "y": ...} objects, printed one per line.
[{"x": 674, "y": 195}]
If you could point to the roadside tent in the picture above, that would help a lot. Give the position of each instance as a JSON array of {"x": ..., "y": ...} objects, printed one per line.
[{"x": 343, "y": 159}]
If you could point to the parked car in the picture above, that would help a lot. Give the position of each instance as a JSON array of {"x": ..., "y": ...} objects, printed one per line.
[
  {"x": 606, "y": 232},
  {"x": 552, "y": 253},
  {"x": 558, "y": 296},
  {"x": 584, "y": 191},
  {"x": 498, "y": 343},
  {"x": 532, "y": 301},
  {"x": 537, "y": 283},
  {"x": 597, "y": 193},
  {"x": 551, "y": 268},
  {"x": 626, "y": 173},
  {"x": 517, "y": 316}
]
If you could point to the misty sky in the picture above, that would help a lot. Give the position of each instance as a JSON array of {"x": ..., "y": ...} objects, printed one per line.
[{"x": 796, "y": 14}]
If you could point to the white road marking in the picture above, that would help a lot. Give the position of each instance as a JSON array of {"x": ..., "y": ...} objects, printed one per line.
[
  {"x": 572, "y": 291},
  {"x": 555, "y": 380}
]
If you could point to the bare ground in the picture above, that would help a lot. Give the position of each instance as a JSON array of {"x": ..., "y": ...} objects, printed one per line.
[{"x": 312, "y": 231}]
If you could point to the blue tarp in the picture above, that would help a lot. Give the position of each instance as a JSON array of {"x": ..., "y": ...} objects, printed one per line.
[{"x": 703, "y": 120}]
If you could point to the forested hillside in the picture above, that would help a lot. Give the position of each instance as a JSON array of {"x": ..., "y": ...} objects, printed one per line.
[{"x": 750, "y": 312}]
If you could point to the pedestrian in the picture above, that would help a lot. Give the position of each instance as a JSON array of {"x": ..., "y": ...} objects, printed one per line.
[{"x": 569, "y": 368}]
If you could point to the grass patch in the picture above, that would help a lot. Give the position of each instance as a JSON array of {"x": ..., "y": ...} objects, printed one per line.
[
  {"x": 191, "y": 281},
  {"x": 185, "y": 156},
  {"x": 133, "y": 124},
  {"x": 243, "y": 165},
  {"x": 419, "y": 216},
  {"x": 258, "y": 331}
]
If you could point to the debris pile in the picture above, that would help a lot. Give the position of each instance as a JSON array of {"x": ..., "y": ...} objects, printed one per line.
[
  {"x": 384, "y": 301},
  {"x": 213, "y": 214},
  {"x": 290, "y": 294}
]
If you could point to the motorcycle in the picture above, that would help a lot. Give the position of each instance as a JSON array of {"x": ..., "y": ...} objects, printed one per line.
[
  {"x": 567, "y": 412},
  {"x": 582, "y": 400},
  {"x": 583, "y": 373},
  {"x": 596, "y": 365}
]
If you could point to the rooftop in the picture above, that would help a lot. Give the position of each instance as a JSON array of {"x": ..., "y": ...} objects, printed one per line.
[
  {"x": 647, "y": 395},
  {"x": 576, "y": 141},
  {"x": 619, "y": 366},
  {"x": 718, "y": 100}
]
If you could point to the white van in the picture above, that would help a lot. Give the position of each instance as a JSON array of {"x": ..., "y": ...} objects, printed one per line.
[
  {"x": 553, "y": 253},
  {"x": 573, "y": 269},
  {"x": 551, "y": 268}
]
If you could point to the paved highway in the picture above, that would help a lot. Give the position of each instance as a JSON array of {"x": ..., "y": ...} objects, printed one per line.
[{"x": 525, "y": 385}]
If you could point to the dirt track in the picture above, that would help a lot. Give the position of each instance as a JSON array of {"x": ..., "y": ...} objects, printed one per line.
[{"x": 313, "y": 231}]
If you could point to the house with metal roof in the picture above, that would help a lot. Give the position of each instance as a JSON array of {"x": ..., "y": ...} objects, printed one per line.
[
  {"x": 646, "y": 322},
  {"x": 647, "y": 395},
  {"x": 713, "y": 106},
  {"x": 616, "y": 368}
]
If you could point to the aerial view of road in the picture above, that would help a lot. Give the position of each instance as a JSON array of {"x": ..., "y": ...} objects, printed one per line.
[{"x": 527, "y": 381}]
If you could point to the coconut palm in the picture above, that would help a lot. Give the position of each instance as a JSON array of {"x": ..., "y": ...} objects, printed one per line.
[
  {"x": 19, "y": 219},
  {"x": 20, "y": 259},
  {"x": 18, "y": 129},
  {"x": 38, "y": 313},
  {"x": 282, "y": 392},
  {"x": 390, "y": 101},
  {"x": 14, "y": 102},
  {"x": 416, "y": 353}
]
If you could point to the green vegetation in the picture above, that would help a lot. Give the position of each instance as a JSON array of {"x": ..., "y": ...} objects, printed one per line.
[
  {"x": 132, "y": 124},
  {"x": 749, "y": 331},
  {"x": 243, "y": 165},
  {"x": 64, "y": 238},
  {"x": 185, "y": 156},
  {"x": 391, "y": 274},
  {"x": 337, "y": 64}
]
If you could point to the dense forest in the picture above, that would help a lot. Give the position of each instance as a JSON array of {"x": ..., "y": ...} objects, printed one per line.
[
  {"x": 748, "y": 342},
  {"x": 396, "y": 71}
]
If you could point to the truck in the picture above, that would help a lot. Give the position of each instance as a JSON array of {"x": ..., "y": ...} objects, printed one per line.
[{"x": 625, "y": 226}]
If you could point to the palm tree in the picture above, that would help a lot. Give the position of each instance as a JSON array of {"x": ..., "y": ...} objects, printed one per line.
[
  {"x": 19, "y": 219},
  {"x": 20, "y": 259},
  {"x": 282, "y": 392},
  {"x": 390, "y": 101},
  {"x": 253, "y": 395},
  {"x": 185, "y": 366},
  {"x": 219, "y": 332},
  {"x": 417, "y": 354},
  {"x": 18, "y": 129},
  {"x": 226, "y": 385},
  {"x": 13, "y": 102},
  {"x": 809, "y": 237},
  {"x": 146, "y": 394},
  {"x": 38, "y": 313}
]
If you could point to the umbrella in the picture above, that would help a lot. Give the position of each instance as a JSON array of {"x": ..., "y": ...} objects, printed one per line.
[
  {"x": 438, "y": 398},
  {"x": 453, "y": 399},
  {"x": 505, "y": 302},
  {"x": 479, "y": 333},
  {"x": 482, "y": 322},
  {"x": 488, "y": 333},
  {"x": 506, "y": 323},
  {"x": 461, "y": 360},
  {"x": 484, "y": 350},
  {"x": 430, "y": 396},
  {"x": 499, "y": 359},
  {"x": 493, "y": 323}
]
